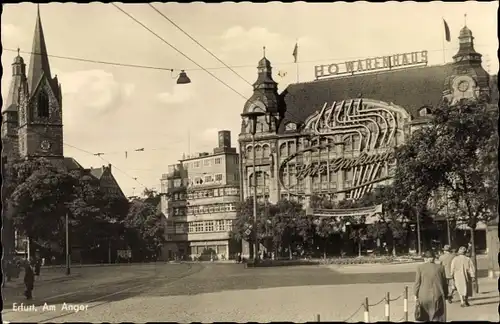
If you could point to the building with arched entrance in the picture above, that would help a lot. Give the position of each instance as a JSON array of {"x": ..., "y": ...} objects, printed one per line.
[{"x": 335, "y": 136}]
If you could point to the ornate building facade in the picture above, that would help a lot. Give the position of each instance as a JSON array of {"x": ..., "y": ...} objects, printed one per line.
[{"x": 335, "y": 137}]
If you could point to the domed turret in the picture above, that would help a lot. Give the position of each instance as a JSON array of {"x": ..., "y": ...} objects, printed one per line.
[
  {"x": 265, "y": 94},
  {"x": 465, "y": 32},
  {"x": 469, "y": 79}
]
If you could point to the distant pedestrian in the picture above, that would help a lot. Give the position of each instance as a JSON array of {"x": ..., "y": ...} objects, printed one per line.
[
  {"x": 37, "y": 266},
  {"x": 431, "y": 291},
  {"x": 29, "y": 280},
  {"x": 445, "y": 259},
  {"x": 464, "y": 274}
]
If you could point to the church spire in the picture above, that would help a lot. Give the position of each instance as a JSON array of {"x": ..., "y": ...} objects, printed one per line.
[{"x": 39, "y": 61}]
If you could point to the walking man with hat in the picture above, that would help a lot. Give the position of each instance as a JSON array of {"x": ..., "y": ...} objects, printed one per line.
[
  {"x": 464, "y": 274},
  {"x": 445, "y": 259},
  {"x": 431, "y": 291}
]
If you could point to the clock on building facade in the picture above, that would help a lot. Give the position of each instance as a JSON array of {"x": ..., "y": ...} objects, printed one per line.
[{"x": 45, "y": 145}]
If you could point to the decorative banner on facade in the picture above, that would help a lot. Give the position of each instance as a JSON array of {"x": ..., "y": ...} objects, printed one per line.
[
  {"x": 371, "y": 64},
  {"x": 372, "y": 125}
]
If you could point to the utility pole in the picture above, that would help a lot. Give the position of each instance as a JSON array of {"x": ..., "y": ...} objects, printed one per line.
[
  {"x": 68, "y": 256},
  {"x": 27, "y": 248},
  {"x": 418, "y": 234}
]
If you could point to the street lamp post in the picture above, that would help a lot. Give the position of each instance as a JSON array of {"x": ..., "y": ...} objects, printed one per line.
[
  {"x": 418, "y": 234},
  {"x": 68, "y": 256},
  {"x": 252, "y": 117}
]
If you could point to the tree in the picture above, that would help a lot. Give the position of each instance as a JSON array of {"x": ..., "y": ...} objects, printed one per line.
[
  {"x": 42, "y": 195},
  {"x": 457, "y": 152},
  {"x": 285, "y": 222},
  {"x": 44, "y": 192},
  {"x": 145, "y": 226}
]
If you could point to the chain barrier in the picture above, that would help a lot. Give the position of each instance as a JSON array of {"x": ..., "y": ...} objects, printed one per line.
[
  {"x": 378, "y": 303},
  {"x": 397, "y": 298},
  {"x": 387, "y": 309},
  {"x": 357, "y": 310}
]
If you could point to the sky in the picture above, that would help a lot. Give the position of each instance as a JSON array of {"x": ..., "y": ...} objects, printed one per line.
[{"x": 112, "y": 109}]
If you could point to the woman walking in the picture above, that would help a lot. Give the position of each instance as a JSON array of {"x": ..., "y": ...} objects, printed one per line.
[
  {"x": 464, "y": 273},
  {"x": 431, "y": 291}
]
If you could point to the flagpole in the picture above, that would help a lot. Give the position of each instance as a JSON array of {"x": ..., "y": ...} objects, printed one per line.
[
  {"x": 297, "y": 59},
  {"x": 444, "y": 46},
  {"x": 444, "y": 50}
]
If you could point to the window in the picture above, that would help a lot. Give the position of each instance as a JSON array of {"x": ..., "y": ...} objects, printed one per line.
[
  {"x": 177, "y": 183},
  {"x": 218, "y": 161},
  {"x": 228, "y": 224},
  {"x": 258, "y": 151},
  {"x": 290, "y": 126},
  {"x": 196, "y": 164},
  {"x": 209, "y": 226},
  {"x": 206, "y": 162},
  {"x": 198, "y": 227},
  {"x": 209, "y": 178},
  {"x": 218, "y": 177},
  {"x": 180, "y": 228},
  {"x": 43, "y": 105},
  {"x": 266, "y": 151},
  {"x": 219, "y": 225}
]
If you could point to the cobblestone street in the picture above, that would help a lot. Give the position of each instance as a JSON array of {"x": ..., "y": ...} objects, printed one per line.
[{"x": 228, "y": 292}]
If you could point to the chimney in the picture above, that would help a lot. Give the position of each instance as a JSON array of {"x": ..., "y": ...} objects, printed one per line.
[
  {"x": 224, "y": 139},
  {"x": 109, "y": 167}
]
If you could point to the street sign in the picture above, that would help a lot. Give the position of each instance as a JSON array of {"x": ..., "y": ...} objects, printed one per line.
[{"x": 248, "y": 232}]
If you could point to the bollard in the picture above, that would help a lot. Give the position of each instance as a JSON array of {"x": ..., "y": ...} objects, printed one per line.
[
  {"x": 318, "y": 319},
  {"x": 387, "y": 307},
  {"x": 405, "y": 303},
  {"x": 367, "y": 313}
]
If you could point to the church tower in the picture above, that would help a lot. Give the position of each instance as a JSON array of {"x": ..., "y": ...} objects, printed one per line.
[
  {"x": 40, "y": 110},
  {"x": 265, "y": 98},
  {"x": 10, "y": 109},
  {"x": 469, "y": 79}
]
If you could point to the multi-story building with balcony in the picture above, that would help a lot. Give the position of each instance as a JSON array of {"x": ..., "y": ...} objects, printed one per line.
[{"x": 199, "y": 197}]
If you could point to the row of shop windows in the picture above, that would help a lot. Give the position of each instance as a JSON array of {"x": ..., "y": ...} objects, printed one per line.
[
  {"x": 198, "y": 250},
  {"x": 208, "y": 226},
  {"x": 204, "y": 209}
]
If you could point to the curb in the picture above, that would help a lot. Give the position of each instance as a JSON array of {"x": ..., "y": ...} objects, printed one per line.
[{"x": 73, "y": 266}]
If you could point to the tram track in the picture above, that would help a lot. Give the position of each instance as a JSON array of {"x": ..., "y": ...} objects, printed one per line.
[{"x": 151, "y": 281}]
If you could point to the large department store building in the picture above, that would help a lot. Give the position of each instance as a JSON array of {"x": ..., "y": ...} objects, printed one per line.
[{"x": 335, "y": 136}]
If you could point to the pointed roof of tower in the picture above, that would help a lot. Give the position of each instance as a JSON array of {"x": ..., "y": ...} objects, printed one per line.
[
  {"x": 39, "y": 61},
  {"x": 11, "y": 102}
]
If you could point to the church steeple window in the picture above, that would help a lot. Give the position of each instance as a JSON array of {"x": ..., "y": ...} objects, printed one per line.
[{"x": 43, "y": 105}]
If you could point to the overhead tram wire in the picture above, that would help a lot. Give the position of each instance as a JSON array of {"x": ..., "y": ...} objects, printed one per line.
[
  {"x": 93, "y": 154},
  {"x": 194, "y": 40},
  {"x": 159, "y": 68},
  {"x": 178, "y": 51}
]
